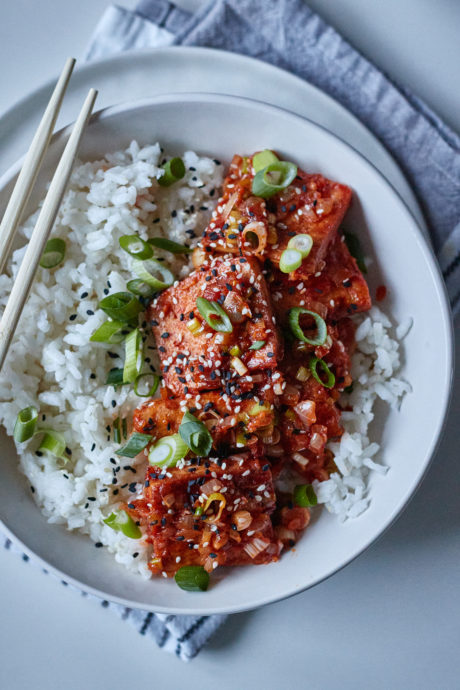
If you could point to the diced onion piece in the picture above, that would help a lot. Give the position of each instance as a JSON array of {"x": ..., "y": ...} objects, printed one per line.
[
  {"x": 300, "y": 459},
  {"x": 306, "y": 411},
  {"x": 236, "y": 307},
  {"x": 198, "y": 257},
  {"x": 238, "y": 365},
  {"x": 302, "y": 243},
  {"x": 285, "y": 534},
  {"x": 194, "y": 326},
  {"x": 241, "y": 519},
  {"x": 26, "y": 423},
  {"x": 302, "y": 374},
  {"x": 256, "y": 546}
]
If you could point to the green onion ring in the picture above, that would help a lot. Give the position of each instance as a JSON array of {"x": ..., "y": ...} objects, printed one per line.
[
  {"x": 145, "y": 271},
  {"x": 294, "y": 315},
  {"x": 304, "y": 496},
  {"x": 120, "y": 521},
  {"x": 273, "y": 178},
  {"x": 302, "y": 243},
  {"x": 136, "y": 246},
  {"x": 53, "y": 442},
  {"x": 54, "y": 253},
  {"x": 192, "y": 578},
  {"x": 290, "y": 260},
  {"x": 138, "y": 287},
  {"x": 121, "y": 306},
  {"x": 174, "y": 170},
  {"x": 168, "y": 451},
  {"x": 116, "y": 426},
  {"x": 214, "y": 315},
  {"x": 110, "y": 332},
  {"x": 169, "y": 245},
  {"x": 313, "y": 364},
  {"x": 115, "y": 377},
  {"x": 196, "y": 435},
  {"x": 133, "y": 347},
  {"x": 152, "y": 390},
  {"x": 26, "y": 423},
  {"x": 136, "y": 443},
  {"x": 262, "y": 159}
]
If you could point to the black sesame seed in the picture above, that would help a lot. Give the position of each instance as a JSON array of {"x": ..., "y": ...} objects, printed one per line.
[
  {"x": 72, "y": 317},
  {"x": 98, "y": 544},
  {"x": 90, "y": 312}
]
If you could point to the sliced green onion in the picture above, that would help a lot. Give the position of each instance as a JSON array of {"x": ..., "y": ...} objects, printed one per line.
[
  {"x": 110, "y": 332},
  {"x": 148, "y": 271},
  {"x": 26, "y": 423},
  {"x": 174, "y": 170},
  {"x": 168, "y": 451},
  {"x": 290, "y": 260},
  {"x": 314, "y": 363},
  {"x": 136, "y": 443},
  {"x": 53, "y": 442},
  {"x": 115, "y": 377},
  {"x": 303, "y": 243},
  {"x": 257, "y": 345},
  {"x": 304, "y": 496},
  {"x": 138, "y": 287},
  {"x": 196, "y": 435},
  {"x": 355, "y": 249},
  {"x": 54, "y": 253},
  {"x": 136, "y": 246},
  {"x": 169, "y": 245},
  {"x": 192, "y": 578},
  {"x": 121, "y": 306},
  {"x": 154, "y": 380},
  {"x": 120, "y": 521},
  {"x": 321, "y": 335},
  {"x": 214, "y": 315},
  {"x": 273, "y": 178},
  {"x": 133, "y": 347},
  {"x": 262, "y": 159},
  {"x": 124, "y": 427},
  {"x": 116, "y": 426}
]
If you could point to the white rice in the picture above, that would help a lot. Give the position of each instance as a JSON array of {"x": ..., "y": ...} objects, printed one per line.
[{"x": 51, "y": 360}]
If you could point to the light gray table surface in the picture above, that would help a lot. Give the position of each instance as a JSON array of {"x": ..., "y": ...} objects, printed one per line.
[{"x": 390, "y": 620}]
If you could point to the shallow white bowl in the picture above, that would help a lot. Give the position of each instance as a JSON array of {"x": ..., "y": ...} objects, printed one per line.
[{"x": 220, "y": 126}]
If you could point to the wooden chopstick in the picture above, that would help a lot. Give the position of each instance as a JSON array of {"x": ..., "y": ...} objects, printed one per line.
[
  {"x": 42, "y": 229},
  {"x": 31, "y": 165}
]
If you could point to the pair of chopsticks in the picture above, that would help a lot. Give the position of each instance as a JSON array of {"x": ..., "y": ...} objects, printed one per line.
[{"x": 51, "y": 204}]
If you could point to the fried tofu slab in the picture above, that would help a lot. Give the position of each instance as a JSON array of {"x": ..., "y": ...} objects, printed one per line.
[{"x": 200, "y": 359}]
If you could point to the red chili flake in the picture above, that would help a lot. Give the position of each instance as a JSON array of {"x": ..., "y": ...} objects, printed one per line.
[{"x": 380, "y": 293}]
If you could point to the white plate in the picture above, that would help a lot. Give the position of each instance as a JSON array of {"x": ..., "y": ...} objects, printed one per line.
[
  {"x": 402, "y": 260},
  {"x": 144, "y": 74}
]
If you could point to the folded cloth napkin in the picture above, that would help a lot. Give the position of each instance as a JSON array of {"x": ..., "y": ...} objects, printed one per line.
[{"x": 288, "y": 34}]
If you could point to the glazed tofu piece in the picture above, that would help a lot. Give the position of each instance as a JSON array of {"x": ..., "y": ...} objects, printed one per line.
[
  {"x": 196, "y": 357},
  {"x": 311, "y": 205},
  {"x": 340, "y": 289},
  {"x": 210, "y": 514},
  {"x": 232, "y": 418}
]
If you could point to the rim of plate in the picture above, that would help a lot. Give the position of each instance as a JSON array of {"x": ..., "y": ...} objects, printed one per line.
[
  {"x": 204, "y": 51},
  {"x": 447, "y": 358}
]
